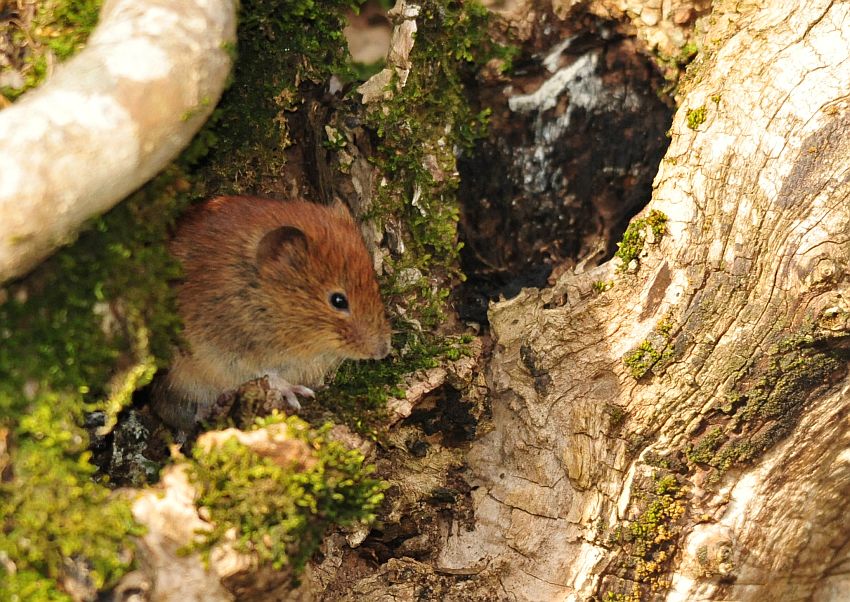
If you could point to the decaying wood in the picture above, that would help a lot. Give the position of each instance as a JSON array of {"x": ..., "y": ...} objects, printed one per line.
[
  {"x": 108, "y": 120},
  {"x": 757, "y": 254},
  {"x": 664, "y": 26}
]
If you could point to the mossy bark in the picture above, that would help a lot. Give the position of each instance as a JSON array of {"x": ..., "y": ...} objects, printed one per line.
[
  {"x": 91, "y": 325},
  {"x": 723, "y": 349}
]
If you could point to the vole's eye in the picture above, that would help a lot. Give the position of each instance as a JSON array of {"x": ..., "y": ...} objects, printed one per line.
[{"x": 339, "y": 301}]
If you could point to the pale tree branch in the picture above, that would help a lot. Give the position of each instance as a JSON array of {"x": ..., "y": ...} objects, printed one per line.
[{"x": 108, "y": 119}]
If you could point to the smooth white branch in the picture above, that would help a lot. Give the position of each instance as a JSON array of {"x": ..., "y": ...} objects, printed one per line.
[{"x": 108, "y": 120}]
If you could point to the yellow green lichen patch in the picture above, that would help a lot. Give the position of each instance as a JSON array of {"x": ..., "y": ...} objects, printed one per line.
[
  {"x": 696, "y": 117},
  {"x": 600, "y": 286},
  {"x": 649, "y": 542},
  {"x": 767, "y": 404},
  {"x": 649, "y": 352},
  {"x": 641, "y": 359}
]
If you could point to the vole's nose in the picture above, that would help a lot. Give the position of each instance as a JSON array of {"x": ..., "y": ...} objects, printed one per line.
[{"x": 382, "y": 349}]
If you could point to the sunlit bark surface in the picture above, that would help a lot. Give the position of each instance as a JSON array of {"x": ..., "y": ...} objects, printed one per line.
[{"x": 739, "y": 397}]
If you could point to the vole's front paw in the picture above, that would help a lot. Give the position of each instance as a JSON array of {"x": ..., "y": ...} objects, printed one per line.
[{"x": 282, "y": 395}]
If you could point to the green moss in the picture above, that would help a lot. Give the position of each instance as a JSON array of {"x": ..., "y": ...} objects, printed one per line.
[
  {"x": 64, "y": 330},
  {"x": 53, "y": 511},
  {"x": 616, "y": 414},
  {"x": 635, "y": 236},
  {"x": 696, "y": 117},
  {"x": 419, "y": 132},
  {"x": 600, "y": 286},
  {"x": 60, "y": 28},
  {"x": 704, "y": 450},
  {"x": 361, "y": 389},
  {"x": 641, "y": 359},
  {"x": 30, "y": 585},
  {"x": 64, "y": 26},
  {"x": 673, "y": 65},
  {"x": 280, "y": 44},
  {"x": 280, "y": 512}
]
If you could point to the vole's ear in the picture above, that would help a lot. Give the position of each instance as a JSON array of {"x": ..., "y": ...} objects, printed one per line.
[
  {"x": 286, "y": 244},
  {"x": 341, "y": 210}
]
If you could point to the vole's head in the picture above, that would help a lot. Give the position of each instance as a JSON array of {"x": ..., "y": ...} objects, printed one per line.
[{"x": 322, "y": 294}]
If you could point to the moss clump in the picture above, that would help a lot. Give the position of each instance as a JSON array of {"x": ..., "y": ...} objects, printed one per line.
[
  {"x": 63, "y": 332},
  {"x": 283, "y": 49},
  {"x": 617, "y": 416},
  {"x": 600, "y": 286},
  {"x": 696, "y": 117},
  {"x": 53, "y": 510},
  {"x": 361, "y": 390},
  {"x": 280, "y": 513},
  {"x": 641, "y": 359},
  {"x": 59, "y": 29},
  {"x": 635, "y": 236},
  {"x": 419, "y": 130}
]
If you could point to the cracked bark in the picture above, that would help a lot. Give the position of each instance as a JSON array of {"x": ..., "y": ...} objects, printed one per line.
[{"x": 752, "y": 279}]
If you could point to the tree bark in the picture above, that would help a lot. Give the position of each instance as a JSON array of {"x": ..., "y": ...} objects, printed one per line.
[
  {"x": 108, "y": 120},
  {"x": 715, "y": 361}
]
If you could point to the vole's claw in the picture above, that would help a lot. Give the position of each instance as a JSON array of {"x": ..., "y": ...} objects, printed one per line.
[
  {"x": 283, "y": 395},
  {"x": 279, "y": 399},
  {"x": 303, "y": 391}
]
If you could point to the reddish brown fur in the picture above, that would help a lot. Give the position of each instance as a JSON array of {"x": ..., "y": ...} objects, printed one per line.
[{"x": 243, "y": 319}]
